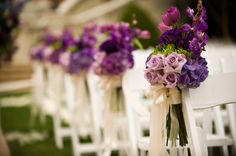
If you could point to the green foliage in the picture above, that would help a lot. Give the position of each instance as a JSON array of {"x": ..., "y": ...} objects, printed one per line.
[
  {"x": 73, "y": 49},
  {"x": 138, "y": 43},
  {"x": 57, "y": 45},
  {"x": 168, "y": 49},
  {"x": 144, "y": 22}
]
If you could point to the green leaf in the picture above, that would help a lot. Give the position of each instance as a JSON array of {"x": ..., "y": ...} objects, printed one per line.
[
  {"x": 72, "y": 49},
  {"x": 138, "y": 43}
]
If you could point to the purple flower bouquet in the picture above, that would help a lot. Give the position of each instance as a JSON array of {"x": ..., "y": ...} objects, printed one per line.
[
  {"x": 79, "y": 56},
  {"x": 176, "y": 63},
  {"x": 115, "y": 53},
  {"x": 111, "y": 61}
]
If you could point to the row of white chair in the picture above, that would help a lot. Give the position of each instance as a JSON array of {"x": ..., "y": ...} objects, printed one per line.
[{"x": 56, "y": 94}]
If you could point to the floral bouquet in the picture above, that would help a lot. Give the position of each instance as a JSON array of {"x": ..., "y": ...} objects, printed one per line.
[
  {"x": 176, "y": 63},
  {"x": 79, "y": 56},
  {"x": 115, "y": 53},
  {"x": 76, "y": 62},
  {"x": 111, "y": 61}
]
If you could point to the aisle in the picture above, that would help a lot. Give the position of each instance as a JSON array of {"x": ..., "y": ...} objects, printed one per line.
[{"x": 16, "y": 121}]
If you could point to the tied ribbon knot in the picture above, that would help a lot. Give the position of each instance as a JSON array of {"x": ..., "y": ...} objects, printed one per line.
[{"x": 163, "y": 99}]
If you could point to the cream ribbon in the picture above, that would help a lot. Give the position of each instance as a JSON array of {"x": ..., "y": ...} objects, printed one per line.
[
  {"x": 82, "y": 103},
  {"x": 163, "y": 98},
  {"x": 110, "y": 84}
]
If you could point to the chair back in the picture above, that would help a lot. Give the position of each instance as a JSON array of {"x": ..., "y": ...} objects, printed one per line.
[{"x": 217, "y": 89}]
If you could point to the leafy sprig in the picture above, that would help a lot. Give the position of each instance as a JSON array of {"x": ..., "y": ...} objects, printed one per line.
[{"x": 169, "y": 48}]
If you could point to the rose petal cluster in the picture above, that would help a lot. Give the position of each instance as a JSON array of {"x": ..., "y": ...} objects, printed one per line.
[{"x": 161, "y": 69}]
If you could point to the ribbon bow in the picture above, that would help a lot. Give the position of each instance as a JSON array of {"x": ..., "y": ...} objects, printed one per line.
[{"x": 163, "y": 99}]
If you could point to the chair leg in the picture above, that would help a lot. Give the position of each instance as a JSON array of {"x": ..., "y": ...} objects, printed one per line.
[
  {"x": 189, "y": 120},
  {"x": 220, "y": 127},
  {"x": 142, "y": 153},
  {"x": 231, "y": 109},
  {"x": 202, "y": 139},
  {"x": 57, "y": 134}
]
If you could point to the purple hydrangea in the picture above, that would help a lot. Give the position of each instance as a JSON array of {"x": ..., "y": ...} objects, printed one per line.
[
  {"x": 193, "y": 73},
  {"x": 80, "y": 61}
]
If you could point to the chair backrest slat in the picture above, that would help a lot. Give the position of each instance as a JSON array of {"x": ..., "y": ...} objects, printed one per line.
[{"x": 217, "y": 89}]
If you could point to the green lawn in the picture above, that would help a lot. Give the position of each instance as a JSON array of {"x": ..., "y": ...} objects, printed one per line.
[{"x": 18, "y": 119}]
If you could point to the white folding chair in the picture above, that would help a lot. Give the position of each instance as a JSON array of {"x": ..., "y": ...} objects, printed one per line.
[
  {"x": 71, "y": 101},
  {"x": 221, "y": 59},
  {"x": 216, "y": 90},
  {"x": 211, "y": 141},
  {"x": 38, "y": 92},
  {"x": 97, "y": 102},
  {"x": 52, "y": 102},
  {"x": 134, "y": 87}
]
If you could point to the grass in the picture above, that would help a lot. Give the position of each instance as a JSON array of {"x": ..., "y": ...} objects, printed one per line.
[{"x": 18, "y": 119}]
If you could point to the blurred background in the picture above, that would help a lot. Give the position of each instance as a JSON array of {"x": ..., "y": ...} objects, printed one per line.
[{"x": 24, "y": 22}]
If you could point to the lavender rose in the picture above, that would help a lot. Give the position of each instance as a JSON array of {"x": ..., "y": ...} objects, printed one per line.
[
  {"x": 170, "y": 80},
  {"x": 156, "y": 62},
  {"x": 154, "y": 77},
  {"x": 174, "y": 61}
]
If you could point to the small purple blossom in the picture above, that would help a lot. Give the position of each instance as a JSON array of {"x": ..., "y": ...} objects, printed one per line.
[
  {"x": 163, "y": 28},
  {"x": 171, "y": 16}
]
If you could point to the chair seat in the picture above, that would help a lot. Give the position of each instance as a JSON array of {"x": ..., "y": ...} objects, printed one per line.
[
  {"x": 212, "y": 141},
  {"x": 216, "y": 140},
  {"x": 143, "y": 143}
]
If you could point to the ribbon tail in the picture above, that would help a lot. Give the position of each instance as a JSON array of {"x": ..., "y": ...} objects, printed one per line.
[
  {"x": 108, "y": 123},
  {"x": 157, "y": 142}
]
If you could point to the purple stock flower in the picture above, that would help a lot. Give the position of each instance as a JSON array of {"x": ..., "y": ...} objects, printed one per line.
[
  {"x": 193, "y": 73},
  {"x": 171, "y": 16},
  {"x": 190, "y": 12}
]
